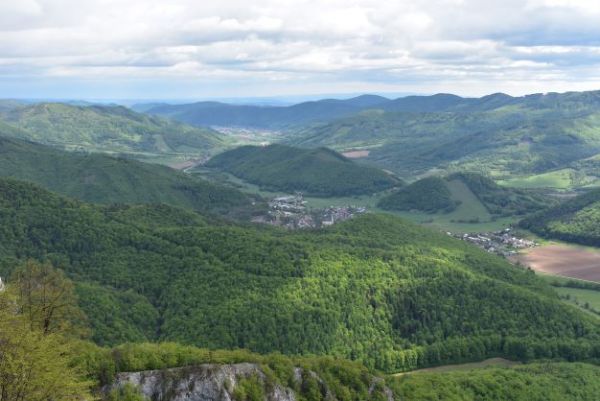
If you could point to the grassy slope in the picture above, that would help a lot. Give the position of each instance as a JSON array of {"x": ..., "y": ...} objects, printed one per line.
[
  {"x": 109, "y": 129},
  {"x": 375, "y": 288},
  {"x": 104, "y": 179},
  {"x": 320, "y": 172}
]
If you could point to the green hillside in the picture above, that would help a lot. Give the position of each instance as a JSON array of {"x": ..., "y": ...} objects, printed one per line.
[
  {"x": 575, "y": 220},
  {"x": 318, "y": 172},
  {"x": 536, "y": 382},
  {"x": 376, "y": 288},
  {"x": 112, "y": 129},
  {"x": 435, "y": 194},
  {"x": 104, "y": 179},
  {"x": 526, "y": 136},
  {"x": 429, "y": 195}
]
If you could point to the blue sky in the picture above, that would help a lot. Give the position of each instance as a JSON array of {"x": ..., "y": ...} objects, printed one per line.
[{"x": 190, "y": 49}]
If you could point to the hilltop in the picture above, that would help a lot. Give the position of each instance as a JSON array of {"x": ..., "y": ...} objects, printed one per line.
[
  {"x": 113, "y": 129},
  {"x": 319, "y": 172},
  {"x": 375, "y": 288},
  {"x": 437, "y": 194},
  {"x": 103, "y": 179}
]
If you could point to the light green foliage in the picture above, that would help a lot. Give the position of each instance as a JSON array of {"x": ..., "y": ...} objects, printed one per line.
[
  {"x": 249, "y": 389},
  {"x": 125, "y": 393},
  {"x": 320, "y": 172},
  {"x": 536, "y": 382},
  {"x": 36, "y": 308},
  {"x": 375, "y": 288}
]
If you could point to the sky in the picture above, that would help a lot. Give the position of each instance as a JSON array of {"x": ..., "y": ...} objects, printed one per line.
[{"x": 198, "y": 49}]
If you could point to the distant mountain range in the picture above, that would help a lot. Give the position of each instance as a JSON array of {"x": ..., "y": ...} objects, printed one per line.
[
  {"x": 274, "y": 117},
  {"x": 263, "y": 116}
]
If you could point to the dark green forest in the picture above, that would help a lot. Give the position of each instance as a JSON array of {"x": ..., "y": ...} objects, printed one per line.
[
  {"x": 433, "y": 195},
  {"x": 103, "y": 179},
  {"x": 429, "y": 195},
  {"x": 318, "y": 172}
]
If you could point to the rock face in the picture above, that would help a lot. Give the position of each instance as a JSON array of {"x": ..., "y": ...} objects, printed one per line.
[
  {"x": 211, "y": 382},
  {"x": 199, "y": 383}
]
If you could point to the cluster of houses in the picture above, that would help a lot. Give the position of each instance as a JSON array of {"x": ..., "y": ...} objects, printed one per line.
[
  {"x": 504, "y": 242},
  {"x": 291, "y": 212}
]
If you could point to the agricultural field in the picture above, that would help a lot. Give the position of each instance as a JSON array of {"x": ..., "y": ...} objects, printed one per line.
[{"x": 563, "y": 260}]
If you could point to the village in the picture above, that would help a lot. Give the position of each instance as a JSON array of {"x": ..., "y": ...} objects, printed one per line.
[
  {"x": 292, "y": 212},
  {"x": 504, "y": 242}
]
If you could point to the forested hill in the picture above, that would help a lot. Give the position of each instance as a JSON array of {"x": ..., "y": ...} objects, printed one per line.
[
  {"x": 108, "y": 129},
  {"x": 319, "y": 172},
  {"x": 376, "y": 288},
  {"x": 441, "y": 194},
  {"x": 575, "y": 220},
  {"x": 527, "y": 135},
  {"x": 103, "y": 179}
]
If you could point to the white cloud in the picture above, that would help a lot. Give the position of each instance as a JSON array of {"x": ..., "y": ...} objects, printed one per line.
[{"x": 466, "y": 46}]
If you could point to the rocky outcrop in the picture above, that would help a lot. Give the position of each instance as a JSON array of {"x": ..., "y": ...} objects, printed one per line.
[{"x": 210, "y": 382}]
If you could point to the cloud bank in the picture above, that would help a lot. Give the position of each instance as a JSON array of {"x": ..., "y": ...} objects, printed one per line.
[{"x": 190, "y": 48}]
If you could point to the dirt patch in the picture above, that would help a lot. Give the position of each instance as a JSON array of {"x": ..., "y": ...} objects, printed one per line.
[
  {"x": 356, "y": 154},
  {"x": 564, "y": 260}
]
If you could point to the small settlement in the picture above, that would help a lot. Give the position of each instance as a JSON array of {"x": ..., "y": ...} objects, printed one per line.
[
  {"x": 291, "y": 212},
  {"x": 504, "y": 243}
]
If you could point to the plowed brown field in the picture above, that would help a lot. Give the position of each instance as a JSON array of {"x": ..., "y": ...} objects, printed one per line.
[{"x": 563, "y": 260}]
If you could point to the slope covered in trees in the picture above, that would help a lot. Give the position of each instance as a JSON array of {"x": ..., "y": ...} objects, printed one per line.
[
  {"x": 433, "y": 194},
  {"x": 320, "y": 172},
  {"x": 429, "y": 195},
  {"x": 500, "y": 135},
  {"x": 376, "y": 288},
  {"x": 575, "y": 220},
  {"x": 103, "y": 179},
  {"x": 108, "y": 129}
]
